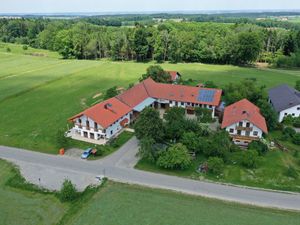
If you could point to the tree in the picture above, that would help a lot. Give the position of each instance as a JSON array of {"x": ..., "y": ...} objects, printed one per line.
[
  {"x": 269, "y": 113},
  {"x": 147, "y": 150},
  {"x": 289, "y": 45},
  {"x": 141, "y": 46},
  {"x": 248, "y": 47},
  {"x": 203, "y": 115},
  {"x": 175, "y": 123},
  {"x": 157, "y": 74},
  {"x": 215, "y": 165},
  {"x": 296, "y": 139},
  {"x": 111, "y": 92},
  {"x": 175, "y": 157},
  {"x": 220, "y": 145},
  {"x": 191, "y": 141},
  {"x": 149, "y": 125},
  {"x": 68, "y": 192}
]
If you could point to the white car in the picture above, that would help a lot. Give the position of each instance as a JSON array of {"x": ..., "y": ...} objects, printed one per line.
[{"x": 100, "y": 178}]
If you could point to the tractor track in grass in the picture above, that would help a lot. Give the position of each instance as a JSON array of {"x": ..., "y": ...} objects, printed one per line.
[
  {"x": 33, "y": 88},
  {"x": 34, "y": 70}
]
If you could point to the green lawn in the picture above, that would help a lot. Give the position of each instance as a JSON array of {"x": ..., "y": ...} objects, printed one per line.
[
  {"x": 125, "y": 204},
  {"x": 22, "y": 207},
  {"x": 39, "y": 93}
]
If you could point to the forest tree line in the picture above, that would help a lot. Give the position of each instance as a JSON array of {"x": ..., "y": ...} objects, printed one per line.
[{"x": 206, "y": 42}]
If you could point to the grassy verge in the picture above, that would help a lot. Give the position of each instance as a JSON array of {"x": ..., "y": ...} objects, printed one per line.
[
  {"x": 271, "y": 172},
  {"x": 114, "y": 145}
]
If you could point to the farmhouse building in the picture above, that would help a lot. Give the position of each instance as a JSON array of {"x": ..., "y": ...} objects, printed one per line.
[
  {"x": 175, "y": 76},
  {"x": 106, "y": 119},
  {"x": 285, "y": 100},
  {"x": 244, "y": 122}
]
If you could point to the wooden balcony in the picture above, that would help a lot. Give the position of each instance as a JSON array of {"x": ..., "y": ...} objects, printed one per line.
[
  {"x": 244, "y": 128},
  {"x": 244, "y": 138}
]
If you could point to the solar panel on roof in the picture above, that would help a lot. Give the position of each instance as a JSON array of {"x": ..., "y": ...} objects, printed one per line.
[{"x": 206, "y": 95}]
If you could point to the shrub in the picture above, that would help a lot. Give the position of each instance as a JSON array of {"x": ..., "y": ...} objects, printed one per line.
[
  {"x": 288, "y": 132},
  {"x": 100, "y": 150},
  {"x": 215, "y": 165},
  {"x": 61, "y": 140},
  {"x": 296, "y": 139},
  {"x": 203, "y": 115},
  {"x": 175, "y": 157},
  {"x": 250, "y": 159},
  {"x": 292, "y": 172},
  {"x": 25, "y": 47},
  {"x": 8, "y": 49},
  {"x": 260, "y": 147},
  {"x": 68, "y": 192}
]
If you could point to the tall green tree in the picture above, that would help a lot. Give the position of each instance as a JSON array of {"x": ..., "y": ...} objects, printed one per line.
[{"x": 149, "y": 125}]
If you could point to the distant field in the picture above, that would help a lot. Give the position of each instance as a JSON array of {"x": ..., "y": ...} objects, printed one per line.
[
  {"x": 21, "y": 207},
  {"x": 39, "y": 91}
]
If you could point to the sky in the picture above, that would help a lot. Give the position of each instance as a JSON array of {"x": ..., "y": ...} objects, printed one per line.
[{"x": 59, "y": 6}]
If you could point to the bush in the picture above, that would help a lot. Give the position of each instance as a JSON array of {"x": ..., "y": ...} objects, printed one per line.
[
  {"x": 203, "y": 115},
  {"x": 296, "y": 139},
  {"x": 250, "y": 159},
  {"x": 25, "y": 47},
  {"x": 215, "y": 165},
  {"x": 289, "y": 132},
  {"x": 68, "y": 192},
  {"x": 61, "y": 140},
  {"x": 260, "y": 147},
  {"x": 175, "y": 157},
  {"x": 8, "y": 49},
  {"x": 101, "y": 149},
  {"x": 291, "y": 172}
]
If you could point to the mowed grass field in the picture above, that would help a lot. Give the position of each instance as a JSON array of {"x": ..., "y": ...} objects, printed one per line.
[
  {"x": 20, "y": 207},
  {"x": 39, "y": 91},
  {"x": 121, "y": 204}
]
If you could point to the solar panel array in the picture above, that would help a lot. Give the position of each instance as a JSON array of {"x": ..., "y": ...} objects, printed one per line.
[{"x": 206, "y": 95}]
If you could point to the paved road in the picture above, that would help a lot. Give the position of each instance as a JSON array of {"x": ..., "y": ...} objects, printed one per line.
[{"x": 119, "y": 167}]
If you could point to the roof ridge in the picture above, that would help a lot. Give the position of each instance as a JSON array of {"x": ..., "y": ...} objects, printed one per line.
[{"x": 143, "y": 82}]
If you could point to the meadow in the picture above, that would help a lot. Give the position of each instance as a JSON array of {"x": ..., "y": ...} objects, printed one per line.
[
  {"x": 39, "y": 91},
  {"x": 123, "y": 204}
]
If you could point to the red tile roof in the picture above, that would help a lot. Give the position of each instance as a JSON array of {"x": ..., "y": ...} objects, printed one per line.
[
  {"x": 105, "y": 113},
  {"x": 173, "y": 75},
  {"x": 179, "y": 93},
  {"x": 244, "y": 110},
  {"x": 125, "y": 102},
  {"x": 134, "y": 95}
]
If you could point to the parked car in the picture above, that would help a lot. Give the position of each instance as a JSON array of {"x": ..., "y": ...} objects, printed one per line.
[
  {"x": 86, "y": 153},
  {"x": 100, "y": 178}
]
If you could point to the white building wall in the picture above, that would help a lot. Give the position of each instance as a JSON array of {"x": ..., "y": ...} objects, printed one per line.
[
  {"x": 100, "y": 133},
  {"x": 243, "y": 132},
  {"x": 116, "y": 127},
  {"x": 293, "y": 111}
]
